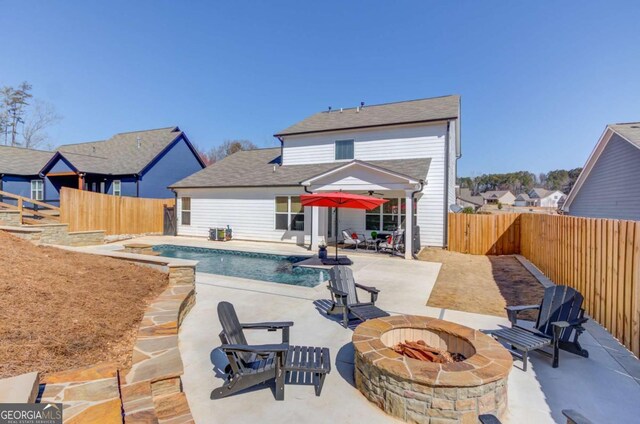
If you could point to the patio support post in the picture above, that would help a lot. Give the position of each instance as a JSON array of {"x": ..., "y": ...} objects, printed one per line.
[
  {"x": 315, "y": 227},
  {"x": 408, "y": 231}
]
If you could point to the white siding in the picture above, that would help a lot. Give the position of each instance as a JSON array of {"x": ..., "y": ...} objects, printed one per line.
[
  {"x": 402, "y": 142},
  {"x": 250, "y": 212}
]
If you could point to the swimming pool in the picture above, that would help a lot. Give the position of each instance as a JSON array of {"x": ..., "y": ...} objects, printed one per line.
[{"x": 255, "y": 266}]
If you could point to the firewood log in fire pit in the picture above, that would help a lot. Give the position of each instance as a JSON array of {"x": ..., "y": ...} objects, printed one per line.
[{"x": 421, "y": 351}]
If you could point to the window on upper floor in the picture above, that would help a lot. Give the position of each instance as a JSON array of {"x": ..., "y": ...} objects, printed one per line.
[{"x": 344, "y": 149}]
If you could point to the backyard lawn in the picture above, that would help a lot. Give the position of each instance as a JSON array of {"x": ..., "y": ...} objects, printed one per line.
[
  {"x": 482, "y": 284},
  {"x": 61, "y": 310}
]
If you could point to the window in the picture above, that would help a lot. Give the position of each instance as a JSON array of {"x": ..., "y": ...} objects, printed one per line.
[
  {"x": 289, "y": 213},
  {"x": 389, "y": 217},
  {"x": 117, "y": 188},
  {"x": 344, "y": 149},
  {"x": 37, "y": 190},
  {"x": 101, "y": 186},
  {"x": 186, "y": 211}
]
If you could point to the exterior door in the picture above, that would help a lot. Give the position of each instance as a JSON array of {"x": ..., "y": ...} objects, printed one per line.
[{"x": 169, "y": 228}]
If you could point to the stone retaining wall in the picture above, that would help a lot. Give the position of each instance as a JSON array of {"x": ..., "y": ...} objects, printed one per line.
[
  {"x": 151, "y": 390},
  {"x": 85, "y": 238},
  {"x": 10, "y": 217},
  {"x": 56, "y": 234}
]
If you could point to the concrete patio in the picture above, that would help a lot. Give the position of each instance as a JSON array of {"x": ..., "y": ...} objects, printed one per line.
[{"x": 599, "y": 387}]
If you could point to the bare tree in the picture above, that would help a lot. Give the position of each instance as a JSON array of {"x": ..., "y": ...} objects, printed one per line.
[
  {"x": 14, "y": 103},
  {"x": 207, "y": 156},
  {"x": 42, "y": 116},
  {"x": 229, "y": 147}
]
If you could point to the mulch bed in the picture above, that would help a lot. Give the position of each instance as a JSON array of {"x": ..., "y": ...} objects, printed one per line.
[
  {"x": 61, "y": 310},
  {"x": 482, "y": 284}
]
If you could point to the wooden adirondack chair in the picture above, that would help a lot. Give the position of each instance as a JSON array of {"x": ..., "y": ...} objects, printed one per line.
[
  {"x": 344, "y": 296},
  {"x": 559, "y": 325},
  {"x": 250, "y": 365}
]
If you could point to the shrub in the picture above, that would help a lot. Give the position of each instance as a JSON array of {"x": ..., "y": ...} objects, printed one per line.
[
  {"x": 499, "y": 205},
  {"x": 468, "y": 209}
]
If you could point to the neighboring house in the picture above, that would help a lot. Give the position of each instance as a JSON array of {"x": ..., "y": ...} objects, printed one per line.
[
  {"x": 547, "y": 198},
  {"x": 137, "y": 164},
  {"x": 608, "y": 185},
  {"x": 494, "y": 197},
  {"x": 465, "y": 199},
  {"x": 523, "y": 199},
  {"x": 19, "y": 172},
  {"x": 405, "y": 152}
]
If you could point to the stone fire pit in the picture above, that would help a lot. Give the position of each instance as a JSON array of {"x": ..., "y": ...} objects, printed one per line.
[{"x": 414, "y": 390}]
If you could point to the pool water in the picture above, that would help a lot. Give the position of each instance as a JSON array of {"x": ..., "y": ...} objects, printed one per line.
[{"x": 255, "y": 266}]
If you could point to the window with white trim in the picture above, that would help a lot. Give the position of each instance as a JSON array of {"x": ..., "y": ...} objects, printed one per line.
[
  {"x": 37, "y": 189},
  {"x": 344, "y": 149},
  {"x": 117, "y": 188},
  {"x": 185, "y": 218},
  {"x": 390, "y": 216},
  {"x": 289, "y": 213}
]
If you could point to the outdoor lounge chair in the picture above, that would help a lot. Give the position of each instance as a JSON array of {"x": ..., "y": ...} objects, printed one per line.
[
  {"x": 396, "y": 245},
  {"x": 349, "y": 240},
  {"x": 250, "y": 365},
  {"x": 559, "y": 325},
  {"x": 345, "y": 297}
]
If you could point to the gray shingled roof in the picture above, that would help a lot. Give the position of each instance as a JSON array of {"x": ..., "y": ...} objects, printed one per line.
[
  {"x": 465, "y": 195},
  {"x": 433, "y": 109},
  {"x": 255, "y": 168},
  {"x": 20, "y": 161},
  {"x": 523, "y": 196},
  {"x": 120, "y": 154},
  {"x": 494, "y": 194},
  {"x": 540, "y": 192},
  {"x": 630, "y": 131}
]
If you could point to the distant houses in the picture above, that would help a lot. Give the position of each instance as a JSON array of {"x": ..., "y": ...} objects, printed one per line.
[
  {"x": 540, "y": 197},
  {"x": 135, "y": 164},
  {"x": 465, "y": 199},
  {"x": 494, "y": 197},
  {"x": 536, "y": 197},
  {"x": 608, "y": 186}
]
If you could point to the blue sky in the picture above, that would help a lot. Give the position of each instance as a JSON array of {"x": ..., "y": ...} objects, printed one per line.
[{"x": 538, "y": 80}]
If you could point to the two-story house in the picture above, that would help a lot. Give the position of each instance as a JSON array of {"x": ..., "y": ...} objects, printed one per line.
[{"x": 405, "y": 152}]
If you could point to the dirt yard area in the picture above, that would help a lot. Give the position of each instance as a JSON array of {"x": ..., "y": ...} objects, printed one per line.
[
  {"x": 482, "y": 284},
  {"x": 61, "y": 310}
]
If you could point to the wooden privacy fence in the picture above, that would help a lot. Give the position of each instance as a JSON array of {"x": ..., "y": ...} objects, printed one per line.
[
  {"x": 484, "y": 234},
  {"x": 598, "y": 257},
  {"x": 85, "y": 211}
]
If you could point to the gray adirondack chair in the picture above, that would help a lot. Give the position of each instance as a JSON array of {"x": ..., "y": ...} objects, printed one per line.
[
  {"x": 345, "y": 300},
  {"x": 250, "y": 365},
  {"x": 559, "y": 324}
]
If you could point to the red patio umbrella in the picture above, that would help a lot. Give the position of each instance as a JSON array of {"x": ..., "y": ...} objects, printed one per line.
[{"x": 339, "y": 199}]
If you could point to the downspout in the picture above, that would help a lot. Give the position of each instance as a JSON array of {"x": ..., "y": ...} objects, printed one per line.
[
  {"x": 413, "y": 195},
  {"x": 445, "y": 230}
]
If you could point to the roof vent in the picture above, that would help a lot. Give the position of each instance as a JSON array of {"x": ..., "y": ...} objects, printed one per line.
[
  {"x": 329, "y": 109},
  {"x": 359, "y": 108},
  {"x": 138, "y": 140},
  {"x": 340, "y": 110}
]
